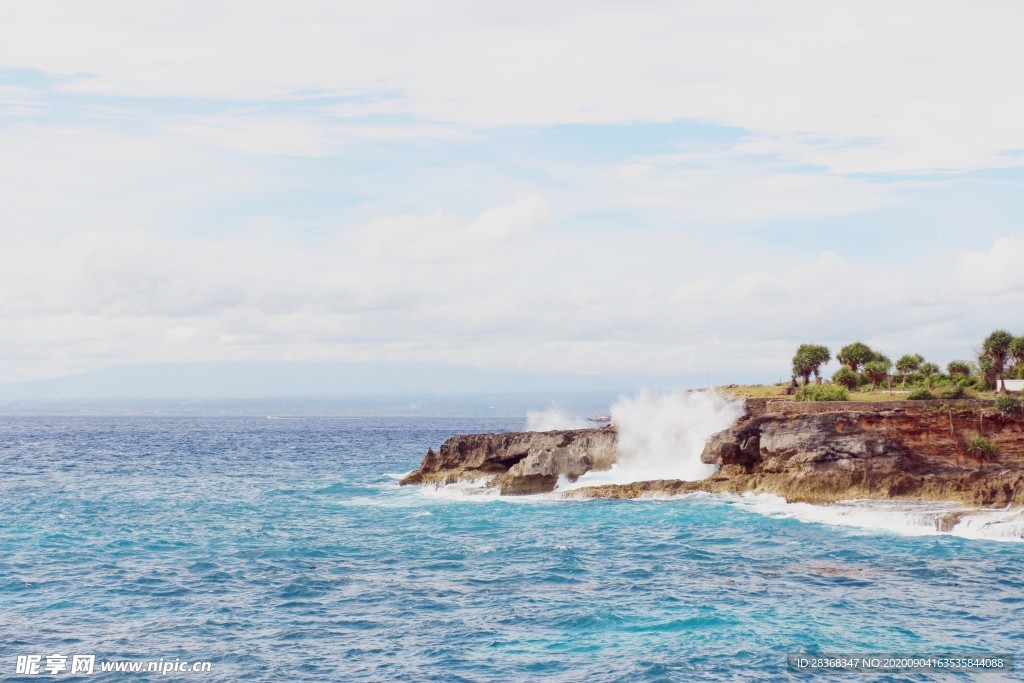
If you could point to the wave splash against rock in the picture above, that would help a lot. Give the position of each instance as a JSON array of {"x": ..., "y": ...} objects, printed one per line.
[{"x": 803, "y": 452}]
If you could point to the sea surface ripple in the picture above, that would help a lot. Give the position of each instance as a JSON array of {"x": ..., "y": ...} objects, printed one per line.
[{"x": 283, "y": 549}]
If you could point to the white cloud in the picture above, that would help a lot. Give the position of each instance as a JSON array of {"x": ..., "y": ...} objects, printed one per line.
[
  {"x": 442, "y": 238},
  {"x": 249, "y": 210},
  {"x": 725, "y": 185},
  {"x": 261, "y": 136},
  {"x": 913, "y": 87},
  {"x": 998, "y": 271},
  {"x": 499, "y": 290}
]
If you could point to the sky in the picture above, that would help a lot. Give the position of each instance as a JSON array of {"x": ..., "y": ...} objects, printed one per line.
[{"x": 577, "y": 188}]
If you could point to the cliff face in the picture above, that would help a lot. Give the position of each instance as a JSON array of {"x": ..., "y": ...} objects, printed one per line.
[
  {"x": 822, "y": 452},
  {"x": 811, "y": 452},
  {"x": 518, "y": 462}
]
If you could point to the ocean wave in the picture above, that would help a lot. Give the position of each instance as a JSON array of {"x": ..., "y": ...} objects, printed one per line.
[
  {"x": 907, "y": 518},
  {"x": 662, "y": 436}
]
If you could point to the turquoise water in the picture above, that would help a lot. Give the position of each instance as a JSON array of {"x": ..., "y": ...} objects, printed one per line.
[{"x": 284, "y": 550}]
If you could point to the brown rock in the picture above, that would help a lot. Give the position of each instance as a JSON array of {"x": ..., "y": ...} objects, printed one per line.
[
  {"x": 825, "y": 452},
  {"x": 808, "y": 452},
  {"x": 518, "y": 462}
]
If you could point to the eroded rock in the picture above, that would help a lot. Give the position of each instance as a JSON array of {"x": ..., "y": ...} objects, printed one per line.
[{"x": 518, "y": 463}]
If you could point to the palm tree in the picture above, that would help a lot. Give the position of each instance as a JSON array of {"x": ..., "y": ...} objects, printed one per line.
[
  {"x": 927, "y": 370},
  {"x": 908, "y": 363},
  {"x": 854, "y": 355},
  {"x": 1017, "y": 354},
  {"x": 808, "y": 360},
  {"x": 876, "y": 371},
  {"x": 958, "y": 368},
  {"x": 996, "y": 348},
  {"x": 987, "y": 370}
]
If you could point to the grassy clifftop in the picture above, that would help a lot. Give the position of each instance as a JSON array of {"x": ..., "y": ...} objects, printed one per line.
[{"x": 779, "y": 391}]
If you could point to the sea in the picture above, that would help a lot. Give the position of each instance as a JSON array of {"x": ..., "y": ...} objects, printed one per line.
[{"x": 282, "y": 548}]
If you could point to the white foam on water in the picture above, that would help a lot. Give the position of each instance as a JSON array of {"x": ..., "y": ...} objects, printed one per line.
[
  {"x": 551, "y": 419},
  {"x": 662, "y": 436},
  {"x": 907, "y": 518},
  {"x": 473, "y": 491}
]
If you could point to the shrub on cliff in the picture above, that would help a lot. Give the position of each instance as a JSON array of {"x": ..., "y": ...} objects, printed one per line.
[
  {"x": 824, "y": 392},
  {"x": 1009, "y": 405},
  {"x": 920, "y": 394},
  {"x": 981, "y": 448}
]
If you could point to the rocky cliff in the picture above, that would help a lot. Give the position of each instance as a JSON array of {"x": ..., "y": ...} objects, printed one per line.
[
  {"x": 518, "y": 462},
  {"x": 822, "y": 452},
  {"x": 811, "y": 452}
]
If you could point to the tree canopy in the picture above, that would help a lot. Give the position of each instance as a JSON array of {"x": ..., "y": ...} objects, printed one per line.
[
  {"x": 959, "y": 368},
  {"x": 996, "y": 348},
  {"x": 876, "y": 371},
  {"x": 808, "y": 360},
  {"x": 855, "y": 355}
]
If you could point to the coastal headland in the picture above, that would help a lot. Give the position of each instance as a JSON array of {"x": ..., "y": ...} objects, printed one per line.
[{"x": 950, "y": 450}]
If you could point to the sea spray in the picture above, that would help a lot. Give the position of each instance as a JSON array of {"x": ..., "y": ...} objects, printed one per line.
[
  {"x": 906, "y": 518},
  {"x": 553, "y": 418},
  {"x": 662, "y": 436}
]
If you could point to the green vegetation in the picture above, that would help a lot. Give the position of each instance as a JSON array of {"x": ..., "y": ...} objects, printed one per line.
[
  {"x": 956, "y": 391},
  {"x": 960, "y": 369},
  {"x": 808, "y": 360},
  {"x": 930, "y": 373},
  {"x": 1009, "y": 405},
  {"x": 845, "y": 377},
  {"x": 825, "y": 392},
  {"x": 981, "y": 448},
  {"x": 877, "y": 371},
  {"x": 986, "y": 373},
  {"x": 907, "y": 364},
  {"x": 855, "y": 355},
  {"x": 867, "y": 374},
  {"x": 1017, "y": 354},
  {"x": 996, "y": 348}
]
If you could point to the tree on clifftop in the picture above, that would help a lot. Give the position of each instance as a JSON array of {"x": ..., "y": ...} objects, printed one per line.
[
  {"x": 907, "y": 364},
  {"x": 876, "y": 371},
  {"x": 959, "y": 369},
  {"x": 987, "y": 371},
  {"x": 1017, "y": 353},
  {"x": 846, "y": 377},
  {"x": 927, "y": 370},
  {"x": 996, "y": 348},
  {"x": 808, "y": 360},
  {"x": 855, "y": 355}
]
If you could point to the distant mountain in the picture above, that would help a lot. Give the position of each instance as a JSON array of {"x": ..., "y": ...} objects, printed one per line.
[{"x": 203, "y": 381}]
